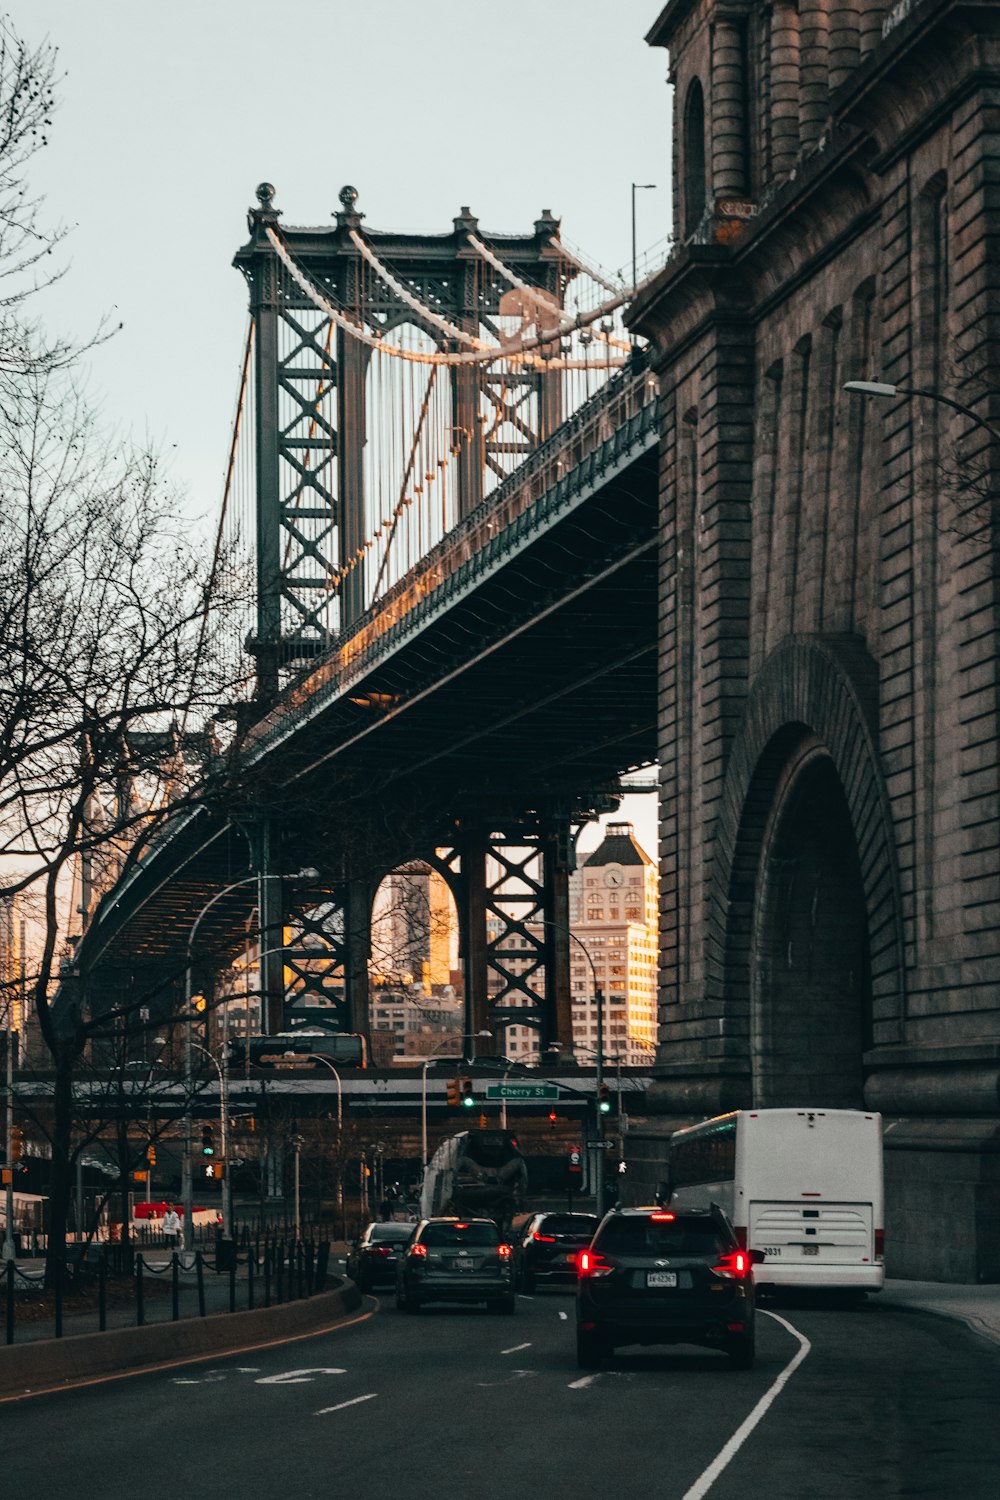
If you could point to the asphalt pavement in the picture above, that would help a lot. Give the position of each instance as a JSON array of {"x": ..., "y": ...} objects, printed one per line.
[{"x": 844, "y": 1403}]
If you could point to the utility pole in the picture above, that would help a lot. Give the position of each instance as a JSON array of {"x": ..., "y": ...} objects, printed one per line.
[{"x": 8, "y": 1234}]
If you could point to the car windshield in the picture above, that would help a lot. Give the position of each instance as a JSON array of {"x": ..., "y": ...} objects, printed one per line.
[
  {"x": 642, "y": 1237},
  {"x": 578, "y": 1224},
  {"x": 461, "y": 1234},
  {"x": 394, "y": 1232}
]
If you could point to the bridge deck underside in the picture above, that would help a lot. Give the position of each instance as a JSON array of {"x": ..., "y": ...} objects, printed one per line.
[{"x": 534, "y": 689}]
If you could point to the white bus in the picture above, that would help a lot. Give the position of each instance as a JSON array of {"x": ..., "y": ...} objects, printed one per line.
[{"x": 804, "y": 1186}]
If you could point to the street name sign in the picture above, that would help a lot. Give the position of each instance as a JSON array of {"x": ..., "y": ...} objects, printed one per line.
[{"x": 522, "y": 1091}]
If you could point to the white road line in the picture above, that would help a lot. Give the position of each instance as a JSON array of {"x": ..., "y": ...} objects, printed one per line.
[
  {"x": 514, "y": 1348},
  {"x": 585, "y": 1380},
  {"x": 340, "y": 1407},
  {"x": 564, "y": 1316},
  {"x": 703, "y": 1484}
]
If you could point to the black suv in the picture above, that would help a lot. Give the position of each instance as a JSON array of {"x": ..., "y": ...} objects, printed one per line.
[
  {"x": 376, "y": 1255},
  {"x": 547, "y": 1246},
  {"x": 655, "y": 1276},
  {"x": 456, "y": 1260}
]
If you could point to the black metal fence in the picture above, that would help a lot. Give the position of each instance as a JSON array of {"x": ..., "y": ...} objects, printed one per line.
[{"x": 258, "y": 1272}]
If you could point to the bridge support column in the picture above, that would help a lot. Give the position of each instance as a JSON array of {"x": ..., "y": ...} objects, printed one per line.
[
  {"x": 472, "y": 933},
  {"x": 556, "y": 1034},
  {"x": 264, "y": 307},
  {"x": 358, "y": 922},
  {"x": 271, "y": 921}
]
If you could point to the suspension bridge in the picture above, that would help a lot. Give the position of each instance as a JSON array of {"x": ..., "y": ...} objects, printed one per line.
[{"x": 440, "y": 511}]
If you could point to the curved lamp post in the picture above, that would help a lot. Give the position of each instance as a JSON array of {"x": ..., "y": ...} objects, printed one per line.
[
  {"x": 187, "y": 1197},
  {"x": 889, "y": 392}
]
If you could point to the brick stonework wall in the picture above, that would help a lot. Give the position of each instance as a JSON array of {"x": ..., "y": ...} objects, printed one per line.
[{"x": 829, "y": 674}]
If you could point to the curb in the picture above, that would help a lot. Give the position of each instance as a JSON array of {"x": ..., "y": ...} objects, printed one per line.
[
  {"x": 47, "y": 1365},
  {"x": 974, "y": 1324}
]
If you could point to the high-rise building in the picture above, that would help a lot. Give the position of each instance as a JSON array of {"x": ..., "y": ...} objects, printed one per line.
[{"x": 613, "y": 900}]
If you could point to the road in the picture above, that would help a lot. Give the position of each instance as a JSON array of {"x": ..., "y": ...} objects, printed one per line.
[{"x": 458, "y": 1402}]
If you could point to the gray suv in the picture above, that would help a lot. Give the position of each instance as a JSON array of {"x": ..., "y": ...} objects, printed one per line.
[{"x": 456, "y": 1260}]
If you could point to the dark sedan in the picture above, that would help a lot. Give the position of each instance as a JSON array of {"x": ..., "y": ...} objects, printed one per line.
[
  {"x": 547, "y": 1247},
  {"x": 373, "y": 1259}
]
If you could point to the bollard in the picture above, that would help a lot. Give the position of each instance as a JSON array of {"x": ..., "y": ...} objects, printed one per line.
[
  {"x": 102, "y": 1289},
  {"x": 250, "y": 1269},
  {"x": 175, "y": 1287},
  {"x": 10, "y": 1301},
  {"x": 58, "y": 1292},
  {"x": 232, "y": 1281},
  {"x": 140, "y": 1311},
  {"x": 200, "y": 1269},
  {"x": 267, "y": 1274}
]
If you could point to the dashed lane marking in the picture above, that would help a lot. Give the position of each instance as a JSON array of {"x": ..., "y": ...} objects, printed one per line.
[
  {"x": 564, "y": 1316},
  {"x": 356, "y": 1401},
  {"x": 514, "y": 1348}
]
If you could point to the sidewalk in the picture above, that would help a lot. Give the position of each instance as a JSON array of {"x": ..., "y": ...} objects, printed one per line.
[{"x": 976, "y": 1306}]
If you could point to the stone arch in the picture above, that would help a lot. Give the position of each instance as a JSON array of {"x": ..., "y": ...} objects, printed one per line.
[{"x": 804, "y": 782}]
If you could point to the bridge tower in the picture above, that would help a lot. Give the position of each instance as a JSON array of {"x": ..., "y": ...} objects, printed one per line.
[{"x": 314, "y": 428}]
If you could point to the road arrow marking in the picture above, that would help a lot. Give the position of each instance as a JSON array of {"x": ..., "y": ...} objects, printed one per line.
[
  {"x": 356, "y": 1401},
  {"x": 296, "y": 1377}
]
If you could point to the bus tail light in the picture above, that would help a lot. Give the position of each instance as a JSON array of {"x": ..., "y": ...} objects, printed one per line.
[{"x": 879, "y": 1244}]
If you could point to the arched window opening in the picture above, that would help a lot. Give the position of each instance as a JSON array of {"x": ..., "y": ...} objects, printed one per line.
[{"x": 693, "y": 163}]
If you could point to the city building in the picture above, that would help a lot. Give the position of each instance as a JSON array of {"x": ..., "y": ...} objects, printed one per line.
[{"x": 613, "y": 900}]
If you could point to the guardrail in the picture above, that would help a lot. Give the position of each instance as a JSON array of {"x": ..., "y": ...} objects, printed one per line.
[{"x": 263, "y": 1273}]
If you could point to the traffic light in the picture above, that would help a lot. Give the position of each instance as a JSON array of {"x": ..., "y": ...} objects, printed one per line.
[
  {"x": 553, "y": 1117},
  {"x": 207, "y": 1141},
  {"x": 604, "y": 1099},
  {"x": 16, "y": 1144},
  {"x": 454, "y": 1090},
  {"x": 151, "y": 1155},
  {"x": 467, "y": 1092}
]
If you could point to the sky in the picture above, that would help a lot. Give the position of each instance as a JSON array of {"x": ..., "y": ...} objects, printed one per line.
[{"x": 169, "y": 115}]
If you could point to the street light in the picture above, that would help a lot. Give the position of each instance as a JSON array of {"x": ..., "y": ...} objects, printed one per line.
[
  {"x": 227, "y": 1196},
  {"x": 890, "y": 392},
  {"x": 599, "y": 1069},
  {"x": 187, "y": 1196},
  {"x": 467, "y": 1036},
  {"x": 637, "y": 187},
  {"x": 315, "y": 1057}
]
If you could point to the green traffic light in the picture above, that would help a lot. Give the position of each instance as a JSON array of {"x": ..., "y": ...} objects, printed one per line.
[
  {"x": 469, "y": 1102},
  {"x": 605, "y": 1107}
]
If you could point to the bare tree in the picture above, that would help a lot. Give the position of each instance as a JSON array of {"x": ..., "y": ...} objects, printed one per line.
[{"x": 113, "y": 658}]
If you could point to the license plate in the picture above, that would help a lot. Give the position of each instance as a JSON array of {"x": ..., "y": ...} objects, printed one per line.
[
  {"x": 661, "y": 1278},
  {"x": 810, "y": 1249},
  {"x": 462, "y": 1265}
]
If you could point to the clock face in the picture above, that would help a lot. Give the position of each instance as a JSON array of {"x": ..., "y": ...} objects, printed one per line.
[{"x": 613, "y": 876}]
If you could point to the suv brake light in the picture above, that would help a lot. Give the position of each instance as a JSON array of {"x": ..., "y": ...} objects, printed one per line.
[
  {"x": 736, "y": 1266},
  {"x": 544, "y": 1239},
  {"x": 589, "y": 1263},
  {"x": 663, "y": 1218},
  {"x": 504, "y": 1252},
  {"x": 418, "y": 1249}
]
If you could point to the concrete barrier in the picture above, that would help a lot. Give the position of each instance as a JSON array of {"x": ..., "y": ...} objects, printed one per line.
[{"x": 48, "y": 1364}]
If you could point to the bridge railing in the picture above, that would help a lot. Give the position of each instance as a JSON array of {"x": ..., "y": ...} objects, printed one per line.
[{"x": 608, "y": 425}]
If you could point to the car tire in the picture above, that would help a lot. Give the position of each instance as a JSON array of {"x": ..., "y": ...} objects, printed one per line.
[
  {"x": 508, "y": 1304},
  {"x": 591, "y": 1350},
  {"x": 742, "y": 1354},
  {"x": 527, "y": 1282}
]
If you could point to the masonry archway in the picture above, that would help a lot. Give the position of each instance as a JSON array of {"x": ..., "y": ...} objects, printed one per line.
[
  {"x": 810, "y": 991},
  {"x": 805, "y": 856}
]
